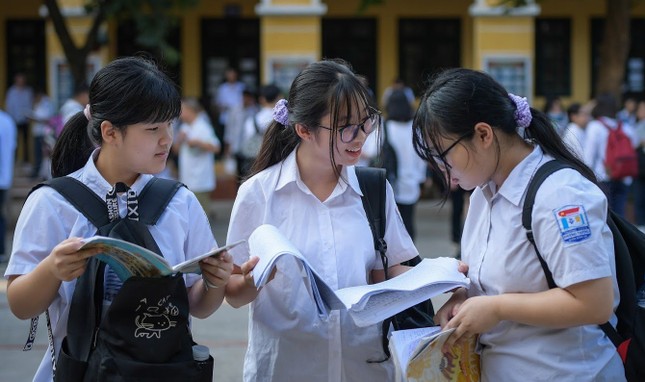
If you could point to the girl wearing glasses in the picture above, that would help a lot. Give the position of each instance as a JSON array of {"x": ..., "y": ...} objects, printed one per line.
[
  {"x": 303, "y": 182},
  {"x": 486, "y": 139}
]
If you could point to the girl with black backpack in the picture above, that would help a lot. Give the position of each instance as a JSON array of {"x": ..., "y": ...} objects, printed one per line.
[{"x": 123, "y": 135}]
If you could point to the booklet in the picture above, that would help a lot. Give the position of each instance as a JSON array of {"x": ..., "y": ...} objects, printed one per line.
[
  {"x": 367, "y": 304},
  {"x": 128, "y": 259},
  {"x": 418, "y": 357}
]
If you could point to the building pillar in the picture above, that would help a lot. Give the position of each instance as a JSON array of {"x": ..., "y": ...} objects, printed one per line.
[
  {"x": 504, "y": 43},
  {"x": 290, "y": 39}
]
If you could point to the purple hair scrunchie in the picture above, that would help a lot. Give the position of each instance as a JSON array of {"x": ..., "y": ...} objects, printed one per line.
[
  {"x": 523, "y": 115},
  {"x": 281, "y": 113}
]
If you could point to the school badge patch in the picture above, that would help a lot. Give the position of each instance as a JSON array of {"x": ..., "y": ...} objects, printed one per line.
[{"x": 573, "y": 224}]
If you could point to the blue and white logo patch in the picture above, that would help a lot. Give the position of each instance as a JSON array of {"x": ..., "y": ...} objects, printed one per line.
[{"x": 573, "y": 223}]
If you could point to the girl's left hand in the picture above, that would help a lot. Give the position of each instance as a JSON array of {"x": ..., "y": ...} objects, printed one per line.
[
  {"x": 217, "y": 269},
  {"x": 476, "y": 315}
]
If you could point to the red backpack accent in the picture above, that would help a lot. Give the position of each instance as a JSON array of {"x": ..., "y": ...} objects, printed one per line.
[{"x": 620, "y": 158}]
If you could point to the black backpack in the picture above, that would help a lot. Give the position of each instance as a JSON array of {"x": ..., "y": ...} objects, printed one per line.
[
  {"x": 145, "y": 333},
  {"x": 372, "y": 183},
  {"x": 629, "y": 251}
]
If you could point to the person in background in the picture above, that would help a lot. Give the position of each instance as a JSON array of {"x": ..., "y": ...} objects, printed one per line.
[
  {"x": 398, "y": 83},
  {"x": 8, "y": 133},
  {"x": 304, "y": 183},
  {"x": 639, "y": 182},
  {"x": 40, "y": 117},
  {"x": 411, "y": 169},
  {"x": 76, "y": 103},
  {"x": 492, "y": 142},
  {"x": 554, "y": 109},
  {"x": 627, "y": 115},
  {"x": 595, "y": 146},
  {"x": 234, "y": 132},
  {"x": 196, "y": 144},
  {"x": 574, "y": 134},
  {"x": 257, "y": 124},
  {"x": 229, "y": 95},
  {"x": 19, "y": 103}
]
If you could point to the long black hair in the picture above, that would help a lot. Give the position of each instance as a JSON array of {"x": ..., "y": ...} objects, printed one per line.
[
  {"x": 127, "y": 91},
  {"x": 327, "y": 86},
  {"x": 457, "y": 99}
]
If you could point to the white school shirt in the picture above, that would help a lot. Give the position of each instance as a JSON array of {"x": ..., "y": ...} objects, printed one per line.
[
  {"x": 411, "y": 169},
  {"x": 287, "y": 339},
  {"x": 197, "y": 166},
  {"x": 574, "y": 139},
  {"x": 569, "y": 226},
  {"x": 595, "y": 146},
  {"x": 182, "y": 232}
]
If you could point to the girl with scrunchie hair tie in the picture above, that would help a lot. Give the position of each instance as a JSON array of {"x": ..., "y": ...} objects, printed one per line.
[
  {"x": 492, "y": 142},
  {"x": 304, "y": 183}
]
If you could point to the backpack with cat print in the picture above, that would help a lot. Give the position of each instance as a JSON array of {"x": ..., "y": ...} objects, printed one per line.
[
  {"x": 629, "y": 253},
  {"x": 144, "y": 335},
  {"x": 621, "y": 159}
]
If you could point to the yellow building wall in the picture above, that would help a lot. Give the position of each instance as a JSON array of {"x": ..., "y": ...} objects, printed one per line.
[{"x": 477, "y": 36}]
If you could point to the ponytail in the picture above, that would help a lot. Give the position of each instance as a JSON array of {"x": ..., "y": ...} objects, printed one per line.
[
  {"x": 72, "y": 148},
  {"x": 279, "y": 141},
  {"x": 542, "y": 131}
]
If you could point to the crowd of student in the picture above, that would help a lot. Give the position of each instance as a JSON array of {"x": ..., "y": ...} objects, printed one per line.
[
  {"x": 302, "y": 180},
  {"x": 585, "y": 129}
]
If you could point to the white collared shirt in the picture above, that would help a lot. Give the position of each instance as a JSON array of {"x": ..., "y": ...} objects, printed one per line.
[
  {"x": 502, "y": 260},
  {"x": 182, "y": 232},
  {"x": 287, "y": 339},
  {"x": 197, "y": 166},
  {"x": 411, "y": 169}
]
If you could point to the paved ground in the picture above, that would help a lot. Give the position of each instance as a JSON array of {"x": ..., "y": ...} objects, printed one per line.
[{"x": 225, "y": 332}]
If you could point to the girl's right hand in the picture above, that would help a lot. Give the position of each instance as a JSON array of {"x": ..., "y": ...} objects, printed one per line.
[
  {"x": 451, "y": 307},
  {"x": 67, "y": 261}
]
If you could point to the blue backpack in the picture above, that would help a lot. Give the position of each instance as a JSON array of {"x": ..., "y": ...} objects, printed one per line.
[{"x": 629, "y": 250}]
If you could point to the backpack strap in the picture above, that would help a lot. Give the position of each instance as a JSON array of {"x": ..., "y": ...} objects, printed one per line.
[
  {"x": 81, "y": 197},
  {"x": 527, "y": 211},
  {"x": 372, "y": 183},
  {"x": 155, "y": 197}
]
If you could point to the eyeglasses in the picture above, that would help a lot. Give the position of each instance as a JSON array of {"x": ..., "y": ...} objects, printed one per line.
[
  {"x": 441, "y": 157},
  {"x": 348, "y": 133}
]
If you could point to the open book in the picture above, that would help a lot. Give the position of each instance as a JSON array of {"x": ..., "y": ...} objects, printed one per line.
[
  {"x": 128, "y": 259},
  {"x": 367, "y": 304},
  {"x": 418, "y": 356}
]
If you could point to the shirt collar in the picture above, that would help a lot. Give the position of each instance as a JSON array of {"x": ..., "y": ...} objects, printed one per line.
[
  {"x": 289, "y": 173},
  {"x": 516, "y": 183},
  {"x": 92, "y": 176}
]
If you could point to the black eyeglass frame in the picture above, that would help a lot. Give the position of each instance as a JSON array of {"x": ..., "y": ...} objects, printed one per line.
[
  {"x": 441, "y": 157},
  {"x": 373, "y": 113}
]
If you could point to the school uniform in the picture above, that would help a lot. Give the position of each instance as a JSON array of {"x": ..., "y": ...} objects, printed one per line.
[
  {"x": 569, "y": 218},
  {"x": 182, "y": 232},
  {"x": 287, "y": 339},
  {"x": 197, "y": 166}
]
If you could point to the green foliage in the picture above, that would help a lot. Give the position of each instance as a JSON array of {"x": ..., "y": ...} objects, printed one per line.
[
  {"x": 154, "y": 20},
  {"x": 368, "y": 3}
]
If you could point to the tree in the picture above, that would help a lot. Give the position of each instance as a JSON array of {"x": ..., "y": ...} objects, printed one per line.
[
  {"x": 614, "y": 50},
  {"x": 153, "y": 19}
]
